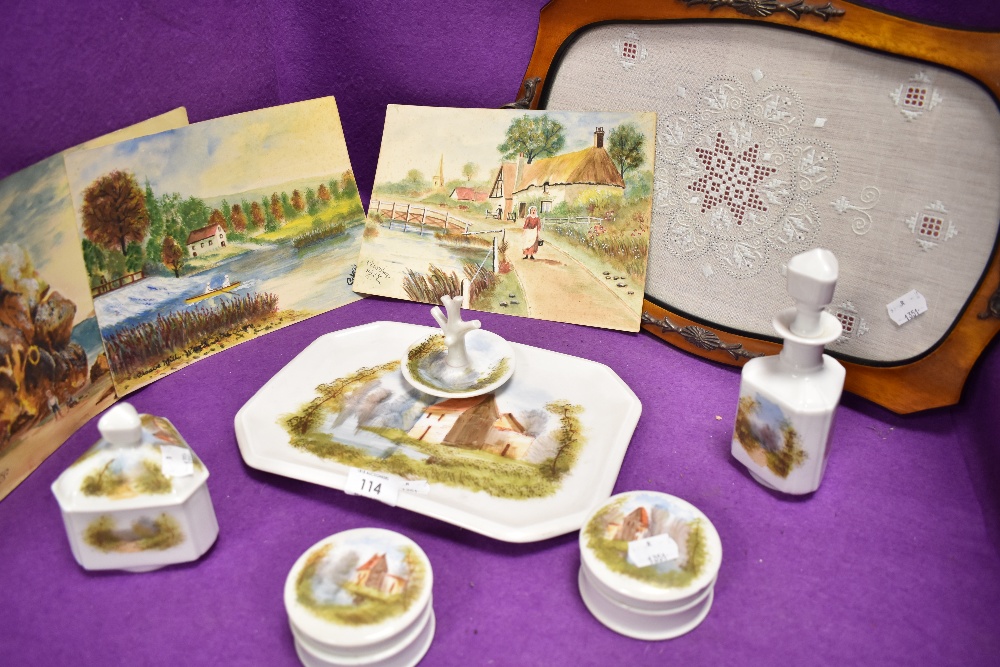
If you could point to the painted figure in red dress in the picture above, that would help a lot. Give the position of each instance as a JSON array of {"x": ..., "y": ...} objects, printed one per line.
[{"x": 532, "y": 230}]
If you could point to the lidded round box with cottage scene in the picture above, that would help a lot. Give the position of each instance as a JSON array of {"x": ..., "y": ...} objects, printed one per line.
[
  {"x": 361, "y": 597},
  {"x": 648, "y": 565}
]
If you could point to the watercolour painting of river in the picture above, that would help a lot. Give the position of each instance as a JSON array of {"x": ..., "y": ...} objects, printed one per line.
[
  {"x": 199, "y": 238},
  {"x": 53, "y": 373},
  {"x": 543, "y": 214}
]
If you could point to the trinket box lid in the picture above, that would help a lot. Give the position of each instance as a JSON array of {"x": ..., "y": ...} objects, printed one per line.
[
  {"x": 358, "y": 589},
  {"x": 650, "y": 547},
  {"x": 141, "y": 461}
]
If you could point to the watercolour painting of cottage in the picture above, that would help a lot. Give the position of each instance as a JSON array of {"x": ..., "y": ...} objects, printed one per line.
[
  {"x": 199, "y": 238},
  {"x": 545, "y": 214},
  {"x": 53, "y": 371}
]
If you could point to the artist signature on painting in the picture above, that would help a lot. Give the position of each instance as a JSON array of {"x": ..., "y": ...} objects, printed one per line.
[
  {"x": 375, "y": 272},
  {"x": 350, "y": 278}
]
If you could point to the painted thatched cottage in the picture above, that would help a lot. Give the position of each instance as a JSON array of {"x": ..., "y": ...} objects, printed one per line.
[
  {"x": 473, "y": 423},
  {"x": 635, "y": 526},
  {"x": 374, "y": 574},
  {"x": 550, "y": 181},
  {"x": 206, "y": 239}
]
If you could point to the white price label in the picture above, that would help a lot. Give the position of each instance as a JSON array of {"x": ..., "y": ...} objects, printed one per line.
[
  {"x": 906, "y": 307},
  {"x": 176, "y": 461},
  {"x": 652, "y": 550},
  {"x": 418, "y": 486},
  {"x": 372, "y": 485}
]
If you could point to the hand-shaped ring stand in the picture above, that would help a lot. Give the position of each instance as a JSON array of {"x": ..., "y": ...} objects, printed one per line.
[{"x": 462, "y": 361}]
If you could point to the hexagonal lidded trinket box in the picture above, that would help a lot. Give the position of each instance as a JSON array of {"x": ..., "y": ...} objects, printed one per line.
[{"x": 138, "y": 499}]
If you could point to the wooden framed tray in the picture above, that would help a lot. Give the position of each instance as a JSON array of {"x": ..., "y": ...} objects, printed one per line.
[{"x": 787, "y": 126}]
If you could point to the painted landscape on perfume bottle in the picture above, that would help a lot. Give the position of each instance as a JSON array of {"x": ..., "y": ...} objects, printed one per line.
[
  {"x": 545, "y": 214},
  {"x": 517, "y": 444},
  {"x": 361, "y": 581},
  {"x": 767, "y": 436},
  {"x": 637, "y": 516},
  {"x": 199, "y": 238}
]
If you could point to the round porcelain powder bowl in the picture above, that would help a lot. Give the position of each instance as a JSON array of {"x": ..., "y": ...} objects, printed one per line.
[
  {"x": 648, "y": 565},
  {"x": 361, "y": 597}
]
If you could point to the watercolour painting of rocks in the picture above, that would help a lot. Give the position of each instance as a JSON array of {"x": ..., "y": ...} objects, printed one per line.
[{"x": 53, "y": 371}]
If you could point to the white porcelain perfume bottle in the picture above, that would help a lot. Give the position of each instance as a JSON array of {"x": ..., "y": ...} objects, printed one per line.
[{"x": 787, "y": 401}]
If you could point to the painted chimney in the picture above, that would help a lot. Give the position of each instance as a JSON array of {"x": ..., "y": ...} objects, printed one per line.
[
  {"x": 518, "y": 171},
  {"x": 599, "y": 138}
]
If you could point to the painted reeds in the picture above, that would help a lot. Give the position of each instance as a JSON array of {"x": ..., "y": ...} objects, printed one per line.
[
  {"x": 138, "y": 349},
  {"x": 319, "y": 234},
  {"x": 430, "y": 287}
]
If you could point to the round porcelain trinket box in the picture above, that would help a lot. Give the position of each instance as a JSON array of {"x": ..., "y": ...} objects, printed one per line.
[
  {"x": 138, "y": 499},
  {"x": 648, "y": 564},
  {"x": 361, "y": 597}
]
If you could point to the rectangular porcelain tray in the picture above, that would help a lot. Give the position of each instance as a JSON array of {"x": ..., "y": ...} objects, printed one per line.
[{"x": 610, "y": 411}]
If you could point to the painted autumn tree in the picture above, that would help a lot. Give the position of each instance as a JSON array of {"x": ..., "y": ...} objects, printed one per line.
[
  {"x": 257, "y": 215},
  {"x": 625, "y": 144},
  {"x": 469, "y": 170},
  {"x": 218, "y": 219},
  {"x": 114, "y": 211},
  {"x": 277, "y": 212},
  {"x": 323, "y": 192},
  {"x": 535, "y": 136},
  {"x": 297, "y": 202},
  {"x": 237, "y": 218},
  {"x": 173, "y": 255}
]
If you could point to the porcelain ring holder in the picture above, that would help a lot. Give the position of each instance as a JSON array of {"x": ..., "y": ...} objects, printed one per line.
[{"x": 462, "y": 361}]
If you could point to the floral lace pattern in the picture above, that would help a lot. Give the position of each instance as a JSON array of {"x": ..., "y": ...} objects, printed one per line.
[
  {"x": 916, "y": 97},
  {"x": 854, "y": 326},
  {"x": 931, "y": 226},
  {"x": 629, "y": 50},
  {"x": 733, "y": 176}
]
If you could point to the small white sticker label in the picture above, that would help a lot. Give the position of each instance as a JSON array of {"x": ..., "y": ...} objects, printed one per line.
[
  {"x": 418, "y": 486},
  {"x": 652, "y": 550},
  {"x": 906, "y": 307},
  {"x": 372, "y": 485},
  {"x": 176, "y": 461}
]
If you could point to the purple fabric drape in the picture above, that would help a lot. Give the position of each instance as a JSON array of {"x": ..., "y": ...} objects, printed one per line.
[{"x": 894, "y": 560}]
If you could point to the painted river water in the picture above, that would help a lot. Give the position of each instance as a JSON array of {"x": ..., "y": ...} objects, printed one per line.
[{"x": 313, "y": 279}]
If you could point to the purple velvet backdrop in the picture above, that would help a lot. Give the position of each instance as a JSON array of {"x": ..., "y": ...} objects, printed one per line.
[{"x": 894, "y": 561}]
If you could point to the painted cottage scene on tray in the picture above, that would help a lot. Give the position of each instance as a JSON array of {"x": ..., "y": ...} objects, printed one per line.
[
  {"x": 544, "y": 214},
  {"x": 361, "y": 582},
  {"x": 517, "y": 442},
  {"x": 53, "y": 371},
  {"x": 198, "y": 238}
]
